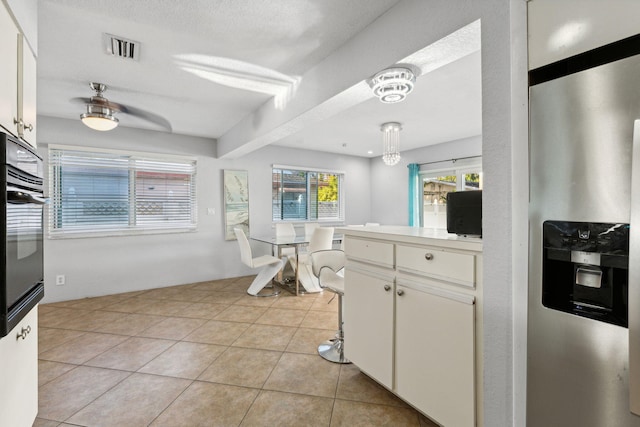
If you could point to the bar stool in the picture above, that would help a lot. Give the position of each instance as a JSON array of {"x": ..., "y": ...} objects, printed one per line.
[
  {"x": 325, "y": 266},
  {"x": 321, "y": 239}
]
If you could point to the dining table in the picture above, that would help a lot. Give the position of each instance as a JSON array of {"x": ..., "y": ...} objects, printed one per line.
[{"x": 297, "y": 242}]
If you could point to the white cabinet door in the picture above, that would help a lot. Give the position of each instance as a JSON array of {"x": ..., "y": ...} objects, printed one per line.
[
  {"x": 8, "y": 71},
  {"x": 28, "y": 94},
  {"x": 19, "y": 373},
  {"x": 368, "y": 323},
  {"x": 435, "y": 353}
]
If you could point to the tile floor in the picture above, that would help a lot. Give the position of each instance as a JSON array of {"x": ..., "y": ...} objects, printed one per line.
[{"x": 204, "y": 354}]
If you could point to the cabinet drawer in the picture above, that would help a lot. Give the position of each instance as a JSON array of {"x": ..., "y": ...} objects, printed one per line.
[
  {"x": 369, "y": 251},
  {"x": 454, "y": 267}
]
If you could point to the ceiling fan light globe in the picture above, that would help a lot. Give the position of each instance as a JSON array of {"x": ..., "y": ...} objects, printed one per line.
[{"x": 101, "y": 122}]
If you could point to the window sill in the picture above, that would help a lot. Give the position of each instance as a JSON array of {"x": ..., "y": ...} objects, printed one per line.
[{"x": 117, "y": 233}]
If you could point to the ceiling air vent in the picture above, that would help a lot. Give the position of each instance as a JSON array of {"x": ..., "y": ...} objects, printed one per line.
[{"x": 121, "y": 47}]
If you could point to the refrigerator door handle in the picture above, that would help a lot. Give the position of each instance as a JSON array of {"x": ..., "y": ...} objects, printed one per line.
[{"x": 634, "y": 276}]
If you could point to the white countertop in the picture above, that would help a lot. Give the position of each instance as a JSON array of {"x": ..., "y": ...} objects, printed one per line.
[{"x": 417, "y": 235}]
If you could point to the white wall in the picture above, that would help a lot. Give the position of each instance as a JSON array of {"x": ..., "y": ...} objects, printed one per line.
[
  {"x": 105, "y": 265},
  {"x": 390, "y": 184}
]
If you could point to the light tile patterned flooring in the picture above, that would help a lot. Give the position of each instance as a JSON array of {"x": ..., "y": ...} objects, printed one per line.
[{"x": 204, "y": 354}]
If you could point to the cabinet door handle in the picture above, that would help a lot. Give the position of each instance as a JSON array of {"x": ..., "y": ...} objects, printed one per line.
[
  {"x": 428, "y": 256},
  {"x": 387, "y": 288},
  {"x": 400, "y": 292},
  {"x": 23, "y": 333},
  {"x": 22, "y": 126}
]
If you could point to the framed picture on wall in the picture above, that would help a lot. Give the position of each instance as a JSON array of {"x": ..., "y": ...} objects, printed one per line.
[{"x": 236, "y": 202}]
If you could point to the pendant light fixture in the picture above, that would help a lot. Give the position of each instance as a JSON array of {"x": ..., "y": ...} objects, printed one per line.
[
  {"x": 393, "y": 84},
  {"x": 391, "y": 143}
]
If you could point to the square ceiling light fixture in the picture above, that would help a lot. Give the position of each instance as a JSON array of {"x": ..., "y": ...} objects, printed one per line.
[{"x": 393, "y": 84}]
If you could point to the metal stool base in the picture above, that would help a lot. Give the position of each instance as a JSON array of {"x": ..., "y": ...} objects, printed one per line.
[{"x": 333, "y": 351}]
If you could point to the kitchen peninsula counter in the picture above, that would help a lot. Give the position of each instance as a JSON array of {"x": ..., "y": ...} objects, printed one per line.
[{"x": 413, "y": 317}]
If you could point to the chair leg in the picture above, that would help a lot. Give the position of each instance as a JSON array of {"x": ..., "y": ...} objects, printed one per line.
[
  {"x": 333, "y": 350},
  {"x": 274, "y": 293},
  {"x": 264, "y": 278}
]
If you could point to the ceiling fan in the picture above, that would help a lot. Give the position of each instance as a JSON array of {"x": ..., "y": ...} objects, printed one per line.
[{"x": 101, "y": 112}]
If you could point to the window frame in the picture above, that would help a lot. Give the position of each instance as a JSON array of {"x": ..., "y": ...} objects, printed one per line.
[
  {"x": 341, "y": 194},
  {"x": 133, "y": 228}
]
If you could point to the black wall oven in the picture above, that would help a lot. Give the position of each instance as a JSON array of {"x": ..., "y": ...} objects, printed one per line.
[{"x": 22, "y": 283}]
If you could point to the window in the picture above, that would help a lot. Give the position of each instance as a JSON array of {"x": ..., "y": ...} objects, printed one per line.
[
  {"x": 302, "y": 195},
  {"x": 436, "y": 185},
  {"x": 94, "y": 192}
]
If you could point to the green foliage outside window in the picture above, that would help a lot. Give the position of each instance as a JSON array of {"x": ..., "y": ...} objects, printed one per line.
[{"x": 329, "y": 191}]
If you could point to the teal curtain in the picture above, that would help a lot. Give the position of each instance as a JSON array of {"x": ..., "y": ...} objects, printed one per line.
[{"x": 414, "y": 195}]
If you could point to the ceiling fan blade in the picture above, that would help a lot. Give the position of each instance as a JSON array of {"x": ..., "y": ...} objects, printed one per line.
[
  {"x": 81, "y": 100},
  {"x": 98, "y": 100},
  {"x": 143, "y": 114}
]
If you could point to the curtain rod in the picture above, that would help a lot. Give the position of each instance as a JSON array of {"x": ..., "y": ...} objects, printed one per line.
[{"x": 450, "y": 160}]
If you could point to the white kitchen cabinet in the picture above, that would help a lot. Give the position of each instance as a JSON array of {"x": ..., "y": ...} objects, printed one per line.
[
  {"x": 27, "y": 94},
  {"x": 17, "y": 81},
  {"x": 368, "y": 328},
  {"x": 8, "y": 71},
  {"x": 19, "y": 373},
  {"x": 413, "y": 310},
  {"x": 435, "y": 357}
]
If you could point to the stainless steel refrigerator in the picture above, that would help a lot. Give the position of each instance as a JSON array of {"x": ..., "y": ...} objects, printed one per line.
[{"x": 583, "y": 343}]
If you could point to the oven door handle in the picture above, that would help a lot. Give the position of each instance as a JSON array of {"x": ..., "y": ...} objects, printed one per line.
[{"x": 20, "y": 197}]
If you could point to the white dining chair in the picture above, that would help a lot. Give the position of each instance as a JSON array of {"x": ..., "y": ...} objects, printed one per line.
[
  {"x": 321, "y": 239},
  {"x": 286, "y": 230},
  {"x": 309, "y": 227},
  {"x": 325, "y": 266},
  {"x": 270, "y": 266}
]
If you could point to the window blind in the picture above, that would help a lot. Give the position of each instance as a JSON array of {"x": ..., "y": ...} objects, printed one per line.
[{"x": 111, "y": 192}]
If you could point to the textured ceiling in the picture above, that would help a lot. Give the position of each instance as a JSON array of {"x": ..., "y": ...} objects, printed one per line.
[{"x": 206, "y": 65}]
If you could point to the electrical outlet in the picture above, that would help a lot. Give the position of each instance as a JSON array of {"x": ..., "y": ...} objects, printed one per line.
[{"x": 60, "y": 279}]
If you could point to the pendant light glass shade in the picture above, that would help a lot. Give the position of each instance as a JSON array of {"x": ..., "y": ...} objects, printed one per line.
[{"x": 391, "y": 143}]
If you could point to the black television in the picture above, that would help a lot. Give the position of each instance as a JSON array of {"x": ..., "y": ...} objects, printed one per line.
[{"x": 464, "y": 213}]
